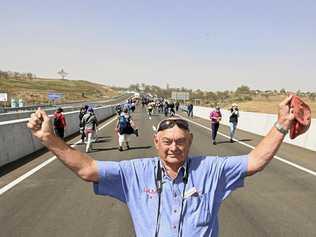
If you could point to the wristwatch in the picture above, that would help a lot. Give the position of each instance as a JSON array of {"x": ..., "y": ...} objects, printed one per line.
[{"x": 280, "y": 128}]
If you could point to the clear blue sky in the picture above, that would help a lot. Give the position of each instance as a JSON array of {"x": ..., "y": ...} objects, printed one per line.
[{"x": 211, "y": 45}]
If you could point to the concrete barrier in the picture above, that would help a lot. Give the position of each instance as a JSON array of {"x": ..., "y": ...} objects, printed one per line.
[
  {"x": 260, "y": 123},
  {"x": 16, "y": 140}
]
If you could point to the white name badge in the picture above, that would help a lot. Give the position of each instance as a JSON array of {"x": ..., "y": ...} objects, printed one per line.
[{"x": 192, "y": 191}]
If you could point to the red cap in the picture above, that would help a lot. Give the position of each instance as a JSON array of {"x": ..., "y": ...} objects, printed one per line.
[{"x": 302, "y": 117}]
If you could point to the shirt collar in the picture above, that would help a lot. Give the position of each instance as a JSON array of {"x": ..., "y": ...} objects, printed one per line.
[{"x": 181, "y": 171}]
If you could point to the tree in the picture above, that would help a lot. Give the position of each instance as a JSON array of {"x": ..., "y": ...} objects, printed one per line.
[
  {"x": 312, "y": 96},
  {"x": 243, "y": 90},
  {"x": 283, "y": 91}
]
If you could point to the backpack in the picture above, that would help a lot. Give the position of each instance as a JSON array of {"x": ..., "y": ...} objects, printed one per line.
[{"x": 125, "y": 125}]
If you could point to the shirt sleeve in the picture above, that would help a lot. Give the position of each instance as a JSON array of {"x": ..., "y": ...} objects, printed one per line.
[
  {"x": 234, "y": 170},
  {"x": 112, "y": 181}
]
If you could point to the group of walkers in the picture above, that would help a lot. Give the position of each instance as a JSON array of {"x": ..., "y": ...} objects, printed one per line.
[
  {"x": 160, "y": 105},
  {"x": 126, "y": 126},
  {"x": 216, "y": 117},
  {"x": 87, "y": 123}
]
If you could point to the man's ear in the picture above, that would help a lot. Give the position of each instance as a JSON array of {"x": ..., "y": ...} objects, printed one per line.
[
  {"x": 190, "y": 138},
  {"x": 156, "y": 140}
]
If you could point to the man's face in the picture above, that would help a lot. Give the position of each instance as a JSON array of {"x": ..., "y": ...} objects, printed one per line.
[{"x": 173, "y": 145}]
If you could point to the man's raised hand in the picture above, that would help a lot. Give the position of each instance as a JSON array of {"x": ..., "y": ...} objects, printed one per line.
[
  {"x": 40, "y": 124},
  {"x": 285, "y": 114}
]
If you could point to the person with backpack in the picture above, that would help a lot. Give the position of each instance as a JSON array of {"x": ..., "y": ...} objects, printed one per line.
[
  {"x": 90, "y": 123},
  {"x": 125, "y": 127},
  {"x": 59, "y": 123}
]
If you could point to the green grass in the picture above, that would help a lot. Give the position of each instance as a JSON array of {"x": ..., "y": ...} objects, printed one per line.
[{"x": 35, "y": 90}]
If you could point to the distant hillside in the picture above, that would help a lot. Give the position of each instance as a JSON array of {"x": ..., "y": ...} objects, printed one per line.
[{"x": 35, "y": 90}]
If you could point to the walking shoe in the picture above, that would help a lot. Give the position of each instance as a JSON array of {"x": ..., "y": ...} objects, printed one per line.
[
  {"x": 231, "y": 140},
  {"x": 120, "y": 148},
  {"x": 214, "y": 142},
  {"x": 127, "y": 147}
]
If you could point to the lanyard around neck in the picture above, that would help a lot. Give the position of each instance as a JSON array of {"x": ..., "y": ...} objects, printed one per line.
[{"x": 159, "y": 191}]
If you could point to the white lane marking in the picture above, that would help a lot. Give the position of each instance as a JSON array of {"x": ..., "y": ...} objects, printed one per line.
[
  {"x": 252, "y": 147},
  {"x": 37, "y": 168}
]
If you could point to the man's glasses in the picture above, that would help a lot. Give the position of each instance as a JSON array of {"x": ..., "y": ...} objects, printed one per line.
[{"x": 170, "y": 123}]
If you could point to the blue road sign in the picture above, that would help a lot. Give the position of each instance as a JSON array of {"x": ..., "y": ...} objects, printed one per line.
[{"x": 55, "y": 96}]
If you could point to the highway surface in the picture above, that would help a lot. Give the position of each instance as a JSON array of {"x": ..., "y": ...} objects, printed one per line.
[{"x": 280, "y": 201}]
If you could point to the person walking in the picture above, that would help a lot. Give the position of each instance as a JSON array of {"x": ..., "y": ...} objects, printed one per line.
[
  {"x": 59, "y": 123},
  {"x": 173, "y": 194},
  {"x": 177, "y": 104},
  {"x": 125, "y": 127},
  {"x": 166, "y": 108},
  {"x": 82, "y": 112},
  {"x": 215, "y": 117},
  {"x": 118, "y": 109},
  {"x": 172, "y": 111},
  {"x": 90, "y": 123},
  {"x": 233, "y": 121},
  {"x": 150, "y": 107},
  {"x": 190, "y": 110}
]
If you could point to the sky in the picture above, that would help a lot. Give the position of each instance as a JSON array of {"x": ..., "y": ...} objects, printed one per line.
[{"x": 212, "y": 45}]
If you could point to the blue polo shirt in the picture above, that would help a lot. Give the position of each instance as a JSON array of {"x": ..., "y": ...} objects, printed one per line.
[{"x": 210, "y": 181}]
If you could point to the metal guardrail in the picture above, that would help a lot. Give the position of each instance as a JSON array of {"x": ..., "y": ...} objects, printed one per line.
[
  {"x": 25, "y": 108},
  {"x": 77, "y": 104}
]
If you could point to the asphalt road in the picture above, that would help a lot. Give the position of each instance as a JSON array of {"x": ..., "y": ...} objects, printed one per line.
[{"x": 280, "y": 201}]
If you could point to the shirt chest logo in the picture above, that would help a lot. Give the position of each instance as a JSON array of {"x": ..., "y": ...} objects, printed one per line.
[{"x": 151, "y": 192}]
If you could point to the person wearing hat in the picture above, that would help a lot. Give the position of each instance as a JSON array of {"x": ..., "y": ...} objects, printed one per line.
[
  {"x": 233, "y": 121},
  {"x": 59, "y": 123},
  {"x": 173, "y": 194},
  {"x": 216, "y": 117}
]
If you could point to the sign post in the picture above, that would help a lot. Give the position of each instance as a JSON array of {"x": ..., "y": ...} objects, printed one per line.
[
  {"x": 4, "y": 99},
  {"x": 53, "y": 96},
  {"x": 180, "y": 95}
]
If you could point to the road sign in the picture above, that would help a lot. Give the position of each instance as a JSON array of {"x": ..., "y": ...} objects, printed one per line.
[
  {"x": 55, "y": 96},
  {"x": 3, "y": 97},
  {"x": 179, "y": 95}
]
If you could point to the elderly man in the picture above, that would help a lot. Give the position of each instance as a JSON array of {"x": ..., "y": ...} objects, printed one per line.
[{"x": 173, "y": 195}]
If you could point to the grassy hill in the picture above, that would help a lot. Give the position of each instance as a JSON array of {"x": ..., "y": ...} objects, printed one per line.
[
  {"x": 270, "y": 105},
  {"x": 36, "y": 90}
]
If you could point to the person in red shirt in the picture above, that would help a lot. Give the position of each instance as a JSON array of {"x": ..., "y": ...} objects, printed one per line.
[
  {"x": 59, "y": 123},
  {"x": 215, "y": 117}
]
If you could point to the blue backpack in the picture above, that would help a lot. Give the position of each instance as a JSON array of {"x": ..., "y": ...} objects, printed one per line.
[{"x": 125, "y": 125}]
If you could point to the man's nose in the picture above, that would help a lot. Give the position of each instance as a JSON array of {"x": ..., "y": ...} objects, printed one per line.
[{"x": 173, "y": 146}]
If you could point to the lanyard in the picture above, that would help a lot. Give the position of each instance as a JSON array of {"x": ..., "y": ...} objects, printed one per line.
[{"x": 159, "y": 191}]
